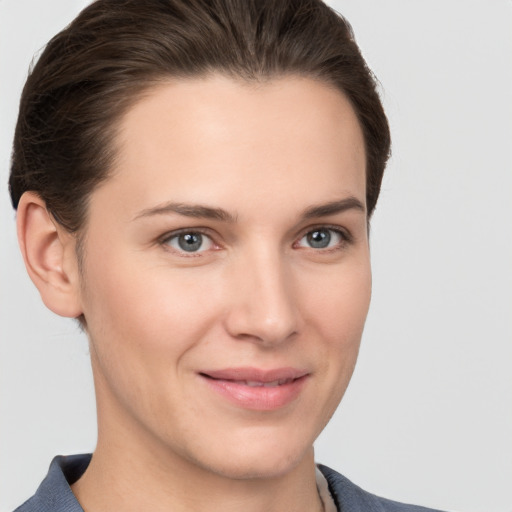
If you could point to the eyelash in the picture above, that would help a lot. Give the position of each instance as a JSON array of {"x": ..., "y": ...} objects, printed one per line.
[
  {"x": 166, "y": 239},
  {"x": 345, "y": 239}
]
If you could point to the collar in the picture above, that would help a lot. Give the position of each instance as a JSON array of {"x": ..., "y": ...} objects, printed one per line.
[{"x": 55, "y": 494}]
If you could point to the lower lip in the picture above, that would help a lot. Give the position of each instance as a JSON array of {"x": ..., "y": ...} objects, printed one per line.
[{"x": 257, "y": 398}]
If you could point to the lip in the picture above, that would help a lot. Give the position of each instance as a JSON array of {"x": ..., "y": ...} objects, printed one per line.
[{"x": 257, "y": 389}]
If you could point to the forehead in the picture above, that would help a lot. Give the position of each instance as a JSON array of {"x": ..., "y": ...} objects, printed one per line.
[{"x": 199, "y": 138}]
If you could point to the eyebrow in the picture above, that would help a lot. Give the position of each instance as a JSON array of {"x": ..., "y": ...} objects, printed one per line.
[
  {"x": 324, "y": 210},
  {"x": 189, "y": 210},
  {"x": 208, "y": 212}
]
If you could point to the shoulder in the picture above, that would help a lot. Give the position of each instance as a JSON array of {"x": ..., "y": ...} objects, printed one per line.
[
  {"x": 54, "y": 494},
  {"x": 350, "y": 497}
]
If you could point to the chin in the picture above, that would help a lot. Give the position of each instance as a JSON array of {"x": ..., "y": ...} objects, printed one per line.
[
  {"x": 258, "y": 460},
  {"x": 256, "y": 469}
]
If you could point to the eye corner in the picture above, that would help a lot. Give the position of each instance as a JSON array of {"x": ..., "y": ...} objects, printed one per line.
[
  {"x": 188, "y": 242},
  {"x": 328, "y": 238}
]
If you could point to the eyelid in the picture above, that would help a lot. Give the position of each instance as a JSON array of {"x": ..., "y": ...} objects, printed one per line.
[
  {"x": 164, "y": 240},
  {"x": 344, "y": 233},
  {"x": 334, "y": 227}
]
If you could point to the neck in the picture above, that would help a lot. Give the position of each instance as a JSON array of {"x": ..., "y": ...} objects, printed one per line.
[
  {"x": 149, "y": 477},
  {"x": 120, "y": 483}
]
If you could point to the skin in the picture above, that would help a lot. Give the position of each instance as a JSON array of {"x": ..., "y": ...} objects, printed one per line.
[{"x": 256, "y": 294}]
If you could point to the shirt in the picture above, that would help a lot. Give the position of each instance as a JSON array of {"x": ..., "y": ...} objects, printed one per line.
[{"x": 55, "y": 494}]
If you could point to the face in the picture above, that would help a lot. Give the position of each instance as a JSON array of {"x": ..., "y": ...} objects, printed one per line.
[{"x": 226, "y": 277}]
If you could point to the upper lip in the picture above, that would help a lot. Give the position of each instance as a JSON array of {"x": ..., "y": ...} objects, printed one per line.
[{"x": 256, "y": 374}]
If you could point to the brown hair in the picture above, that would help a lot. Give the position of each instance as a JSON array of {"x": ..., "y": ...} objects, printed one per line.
[{"x": 91, "y": 72}]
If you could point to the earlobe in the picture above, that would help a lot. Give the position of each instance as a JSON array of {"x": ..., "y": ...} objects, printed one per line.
[{"x": 50, "y": 258}]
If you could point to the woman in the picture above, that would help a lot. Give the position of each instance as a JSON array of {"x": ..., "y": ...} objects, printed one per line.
[{"x": 193, "y": 183}]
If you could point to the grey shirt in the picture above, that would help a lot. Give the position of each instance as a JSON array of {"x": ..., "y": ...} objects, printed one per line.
[{"x": 55, "y": 495}]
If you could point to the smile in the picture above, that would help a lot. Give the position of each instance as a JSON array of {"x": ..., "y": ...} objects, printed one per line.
[
  {"x": 272, "y": 384},
  {"x": 254, "y": 389}
]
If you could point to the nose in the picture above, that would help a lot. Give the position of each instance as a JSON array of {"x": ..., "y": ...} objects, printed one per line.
[{"x": 263, "y": 305}]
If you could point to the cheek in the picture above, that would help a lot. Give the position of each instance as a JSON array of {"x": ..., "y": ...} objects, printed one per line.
[
  {"x": 141, "y": 320},
  {"x": 339, "y": 314},
  {"x": 339, "y": 302},
  {"x": 143, "y": 330}
]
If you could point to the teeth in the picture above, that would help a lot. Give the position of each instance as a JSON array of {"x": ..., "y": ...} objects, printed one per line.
[
  {"x": 253, "y": 384},
  {"x": 272, "y": 384}
]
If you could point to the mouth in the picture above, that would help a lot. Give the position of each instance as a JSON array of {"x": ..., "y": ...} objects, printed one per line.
[
  {"x": 258, "y": 384},
  {"x": 256, "y": 389}
]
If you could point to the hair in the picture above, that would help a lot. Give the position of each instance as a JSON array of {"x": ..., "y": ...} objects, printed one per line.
[{"x": 89, "y": 75}]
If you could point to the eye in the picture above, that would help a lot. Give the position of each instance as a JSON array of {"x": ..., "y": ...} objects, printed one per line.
[
  {"x": 322, "y": 238},
  {"x": 189, "y": 241}
]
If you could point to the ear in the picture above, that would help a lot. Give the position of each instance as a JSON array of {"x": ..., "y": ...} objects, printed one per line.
[{"x": 49, "y": 254}]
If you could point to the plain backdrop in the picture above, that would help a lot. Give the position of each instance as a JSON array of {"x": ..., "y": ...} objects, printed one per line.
[{"x": 428, "y": 416}]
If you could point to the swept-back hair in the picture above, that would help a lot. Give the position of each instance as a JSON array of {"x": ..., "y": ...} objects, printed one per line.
[{"x": 95, "y": 69}]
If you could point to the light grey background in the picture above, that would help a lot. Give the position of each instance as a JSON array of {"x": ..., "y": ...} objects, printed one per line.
[{"x": 428, "y": 416}]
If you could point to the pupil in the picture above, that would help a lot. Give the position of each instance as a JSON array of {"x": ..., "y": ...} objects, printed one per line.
[
  {"x": 319, "y": 239},
  {"x": 190, "y": 241}
]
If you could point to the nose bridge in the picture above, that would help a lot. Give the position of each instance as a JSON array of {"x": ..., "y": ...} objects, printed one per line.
[{"x": 264, "y": 306}]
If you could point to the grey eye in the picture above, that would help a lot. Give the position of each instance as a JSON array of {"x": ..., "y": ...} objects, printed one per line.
[
  {"x": 190, "y": 241},
  {"x": 319, "y": 239},
  {"x": 322, "y": 238}
]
